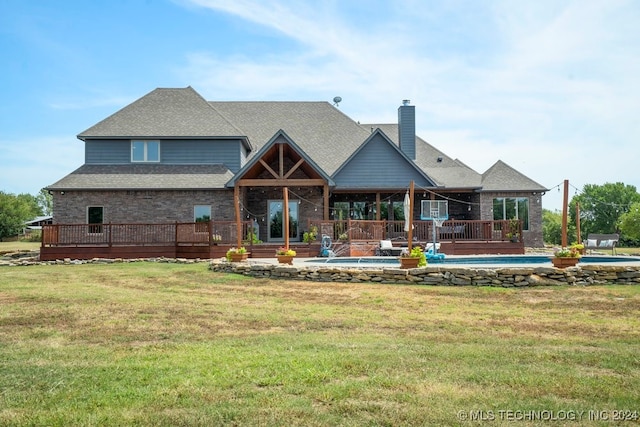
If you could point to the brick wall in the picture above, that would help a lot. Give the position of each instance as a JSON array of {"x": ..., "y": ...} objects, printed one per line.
[
  {"x": 532, "y": 237},
  {"x": 141, "y": 206}
]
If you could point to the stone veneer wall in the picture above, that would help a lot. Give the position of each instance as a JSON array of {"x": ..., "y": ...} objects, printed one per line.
[
  {"x": 446, "y": 276},
  {"x": 141, "y": 206},
  {"x": 533, "y": 236}
]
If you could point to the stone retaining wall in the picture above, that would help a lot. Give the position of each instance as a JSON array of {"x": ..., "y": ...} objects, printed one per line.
[
  {"x": 445, "y": 276},
  {"x": 430, "y": 275}
]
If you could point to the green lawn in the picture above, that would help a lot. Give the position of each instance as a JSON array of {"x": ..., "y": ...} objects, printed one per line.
[
  {"x": 174, "y": 344},
  {"x": 19, "y": 246}
]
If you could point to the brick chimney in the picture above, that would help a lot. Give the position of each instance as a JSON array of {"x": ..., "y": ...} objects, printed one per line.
[{"x": 407, "y": 129}]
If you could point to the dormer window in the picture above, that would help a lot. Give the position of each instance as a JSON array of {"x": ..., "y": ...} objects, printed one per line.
[{"x": 145, "y": 151}]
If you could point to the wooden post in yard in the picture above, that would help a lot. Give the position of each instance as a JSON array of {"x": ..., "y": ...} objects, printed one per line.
[
  {"x": 565, "y": 207},
  {"x": 410, "y": 231},
  {"x": 578, "y": 238}
]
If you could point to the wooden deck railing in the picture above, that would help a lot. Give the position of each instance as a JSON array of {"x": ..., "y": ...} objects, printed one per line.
[
  {"x": 454, "y": 230},
  {"x": 225, "y": 232},
  {"x": 201, "y": 233}
]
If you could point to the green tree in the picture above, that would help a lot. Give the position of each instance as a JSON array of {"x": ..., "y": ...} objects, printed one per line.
[
  {"x": 15, "y": 211},
  {"x": 45, "y": 202},
  {"x": 601, "y": 206},
  {"x": 630, "y": 224},
  {"x": 552, "y": 228}
]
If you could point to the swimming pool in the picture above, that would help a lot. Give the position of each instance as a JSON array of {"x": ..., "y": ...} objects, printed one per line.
[{"x": 476, "y": 260}]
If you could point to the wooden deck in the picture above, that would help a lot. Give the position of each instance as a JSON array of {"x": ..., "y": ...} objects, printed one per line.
[{"x": 213, "y": 239}]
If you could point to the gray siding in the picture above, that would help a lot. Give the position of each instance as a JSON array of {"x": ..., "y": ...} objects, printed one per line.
[
  {"x": 378, "y": 165},
  {"x": 175, "y": 152},
  {"x": 107, "y": 152}
]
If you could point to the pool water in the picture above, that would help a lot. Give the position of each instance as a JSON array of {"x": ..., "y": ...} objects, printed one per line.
[{"x": 485, "y": 260}]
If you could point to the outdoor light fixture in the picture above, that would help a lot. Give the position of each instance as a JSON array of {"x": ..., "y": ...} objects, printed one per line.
[{"x": 439, "y": 159}]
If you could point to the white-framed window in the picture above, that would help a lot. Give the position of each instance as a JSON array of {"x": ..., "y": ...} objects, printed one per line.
[
  {"x": 95, "y": 218},
  {"x": 145, "y": 151},
  {"x": 505, "y": 208}
]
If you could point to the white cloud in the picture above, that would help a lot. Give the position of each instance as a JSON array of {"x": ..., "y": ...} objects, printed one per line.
[{"x": 548, "y": 87}]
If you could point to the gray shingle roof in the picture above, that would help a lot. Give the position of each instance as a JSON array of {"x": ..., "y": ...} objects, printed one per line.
[
  {"x": 502, "y": 177},
  {"x": 144, "y": 177},
  {"x": 165, "y": 113},
  {"x": 326, "y": 134},
  {"x": 322, "y": 131}
]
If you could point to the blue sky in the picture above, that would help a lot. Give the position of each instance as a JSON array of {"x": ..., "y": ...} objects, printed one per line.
[{"x": 549, "y": 86}]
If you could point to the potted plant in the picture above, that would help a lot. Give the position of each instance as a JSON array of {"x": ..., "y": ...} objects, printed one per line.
[
  {"x": 237, "y": 254},
  {"x": 413, "y": 259},
  {"x": 514, "y": 230},
  {"x": 513, "y": 237},
  {"x": 579, "y": 247},
  {"x": 285, "y": 255},
  {"x": 566, "y": 257},
  {"x": 311, "y": 235}
]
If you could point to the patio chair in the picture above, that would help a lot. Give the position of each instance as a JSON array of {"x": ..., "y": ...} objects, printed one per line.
[{"x": 386, "y": 248}]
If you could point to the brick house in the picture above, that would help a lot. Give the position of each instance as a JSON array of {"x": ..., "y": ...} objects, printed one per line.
[{"x": 173, "y": 156}]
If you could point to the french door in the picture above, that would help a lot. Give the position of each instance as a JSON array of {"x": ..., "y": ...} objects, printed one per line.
[{"x": 276, "y": 221}]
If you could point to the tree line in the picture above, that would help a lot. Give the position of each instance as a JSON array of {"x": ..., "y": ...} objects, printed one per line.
[
  {"x": 16, "y": 210},
  {"x": 603, "y": 209}
]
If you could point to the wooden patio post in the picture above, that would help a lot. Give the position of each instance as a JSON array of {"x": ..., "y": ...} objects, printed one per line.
[
  {"x": 285, "y": 216},
  {"x": 325, "y": 214},
  {"x": 236, "y": 195},
  {"x": 565, "y": 203}
]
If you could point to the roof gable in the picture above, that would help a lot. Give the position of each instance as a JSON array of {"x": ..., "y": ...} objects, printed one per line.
[
  {"x": 271, "y": 152},
  {"x": 165, "y": 113},
  {"x": 502, "y": 177},
  {"x": 444, "y": 170},
  {"x": 379, "y": 163}
]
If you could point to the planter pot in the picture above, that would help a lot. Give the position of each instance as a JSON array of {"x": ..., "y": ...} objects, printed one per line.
[
  {"x": 239, "y": 257},
  {"x": 285, "y": 259},
  {"x": 562, "y": 262},
  {"x": 409, "y": 262}
]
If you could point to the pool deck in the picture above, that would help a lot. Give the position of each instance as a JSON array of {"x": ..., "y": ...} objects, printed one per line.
[{"x": 385, "y": 262}]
